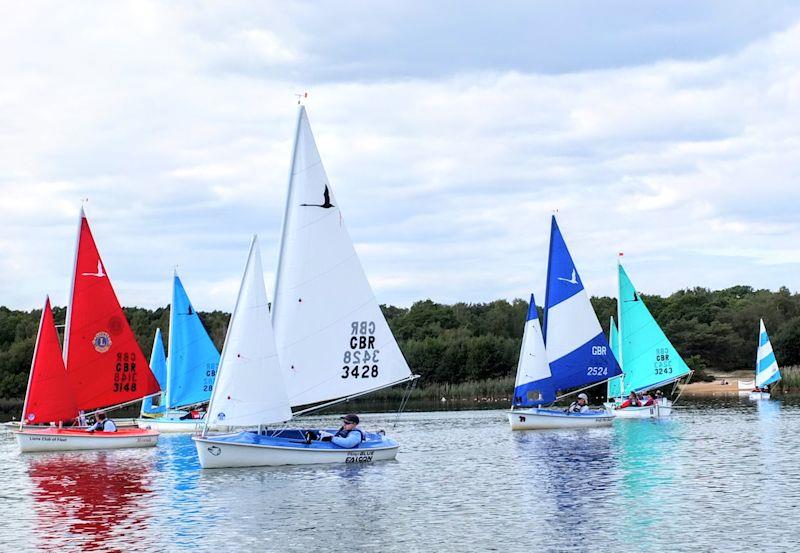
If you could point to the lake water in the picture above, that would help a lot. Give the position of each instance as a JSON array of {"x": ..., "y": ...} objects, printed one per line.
[{"x": 721, "y": 475}]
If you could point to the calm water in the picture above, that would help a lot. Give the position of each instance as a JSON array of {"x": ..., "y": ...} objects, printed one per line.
[{"x": 720, "y": 476}]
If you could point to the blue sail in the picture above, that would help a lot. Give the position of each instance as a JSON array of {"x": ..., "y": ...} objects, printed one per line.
[
  {"x": 767, "y": 371},
  {"x": 615, "y": 384},
  {"x": 578, "y": 350},
  {"x": 158, "y": 364},
  {"x": 193, "y": 359}
]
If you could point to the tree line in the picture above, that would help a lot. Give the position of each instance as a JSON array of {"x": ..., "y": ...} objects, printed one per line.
[{"x": 464, "y": 342}]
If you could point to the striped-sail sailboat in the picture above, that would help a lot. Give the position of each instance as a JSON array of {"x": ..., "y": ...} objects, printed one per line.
[{"x": 767, "y": 371}]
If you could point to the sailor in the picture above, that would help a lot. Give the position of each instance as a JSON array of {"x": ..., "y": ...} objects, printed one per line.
[
  {"x": 348, "y": 436},
  {"x": 648, "y": 399},
  {"x": 579, "y": 405},
  {"x": 103, "y": 424},
  {"x": 632, "y": 401}
]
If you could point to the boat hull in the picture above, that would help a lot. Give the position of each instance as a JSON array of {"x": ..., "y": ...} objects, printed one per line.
[
  {"x": 55, "y": 439},
  {"x": 757, "y": 396},
  {"x": 542, "y": 419},
  {"x": 170, "y": 426},
  {"x": 655, "y": 411},
  {"x": 249, "y": 449}
]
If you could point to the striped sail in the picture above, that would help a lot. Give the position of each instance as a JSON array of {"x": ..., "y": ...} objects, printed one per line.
[
  {"x": 158, "y": 364},
  {"x": 649, "y": 358},
  {"x": 533, "y": 365},
  {"x": 577, "y": 349},
  {"x": 767, "y": 371},
  {"x": 615, "y": 384}
]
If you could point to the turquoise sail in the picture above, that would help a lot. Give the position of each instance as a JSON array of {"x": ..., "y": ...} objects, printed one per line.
[
  {"x": 193, "y": 359},
  {"x": 615, "y": 384},
  {"x": 767, "y": 371},
  {"x": 648, "y": 358},
  {"x": 154, "y": 405}
]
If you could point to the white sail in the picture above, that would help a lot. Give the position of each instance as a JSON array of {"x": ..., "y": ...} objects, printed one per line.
[
  {"x": 332, "y": 338},
  {"x": 249, "y": 389}
]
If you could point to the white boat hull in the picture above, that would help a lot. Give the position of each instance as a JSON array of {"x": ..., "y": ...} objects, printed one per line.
[
  {"x": 541, "y": 419},
  {"x": 54, "y": 439},
  {"x": 170, "y": 426},
  {"x": 756, "y": 396},
  {"x": 219, "y": 454},
  {"x": 746, "y": 385},
  {"x": 655, "y": 411}
]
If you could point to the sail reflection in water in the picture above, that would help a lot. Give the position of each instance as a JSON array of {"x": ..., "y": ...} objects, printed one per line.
[{"x": 89, "y": 501}]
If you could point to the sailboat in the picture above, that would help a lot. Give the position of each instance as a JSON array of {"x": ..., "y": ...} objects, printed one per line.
[
  {"x": 573, "y": 354},
  {"x": 614, "y": 387},
  {"x": 648, "y": 358},
  {"x": 767, "y": 371},
  {"x": 191, "y": 367},
  {"x": 103, "y": 364},
  {"x": 154, "y": 406},
  {"x": 332, "y": 341}
]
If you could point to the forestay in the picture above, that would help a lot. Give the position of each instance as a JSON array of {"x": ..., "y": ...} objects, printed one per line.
[
  {"x": 249, "y": 389},
  {"x": 332, "y": 338},
  {"x": 158, "y": 364},
  {"x": 648, "y": 357},
  {"x": 193, "y": 358},
  {"x": 767, "y": 371},
  {"x": 578, "y": 350},
  {"x": 533, "y": 365},
  {"x": 615, "y": 384}
]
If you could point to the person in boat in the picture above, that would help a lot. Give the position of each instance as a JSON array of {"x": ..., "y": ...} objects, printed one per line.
[
  {"x": 348, "y": 436},
  {"x": 103, "y": 424},
  {"x": 659, "y": 396},
  {"x": 632, "y": 401},
  {"x": 193, "y": 414},
  {"x": 648, "y": 399},
  {"x": 580, "y": 405}
]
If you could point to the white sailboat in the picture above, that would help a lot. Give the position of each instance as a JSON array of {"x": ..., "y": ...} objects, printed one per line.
[
  {"x": 331, "y": 339},
  {"x": 767, "y": 371}
]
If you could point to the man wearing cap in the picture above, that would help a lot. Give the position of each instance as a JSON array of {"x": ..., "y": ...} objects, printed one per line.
[
  {"x": 580, "y": 405},
  {"x": 349, "y": 435}
]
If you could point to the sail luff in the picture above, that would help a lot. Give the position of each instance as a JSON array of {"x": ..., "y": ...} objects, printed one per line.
[
  {"x": 170, "y": 347},
  {"x": 65, "y": 352}
]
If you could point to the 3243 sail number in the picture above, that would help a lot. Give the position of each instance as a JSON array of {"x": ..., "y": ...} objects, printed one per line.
[{"x": 365, "y": 371}]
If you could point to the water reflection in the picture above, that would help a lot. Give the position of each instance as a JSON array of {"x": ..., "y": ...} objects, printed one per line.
[{"x": 99, "y": 498}]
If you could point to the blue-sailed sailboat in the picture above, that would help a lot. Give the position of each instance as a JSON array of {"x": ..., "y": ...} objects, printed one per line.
[
  {"x": 152, "y": 407},
  {"x": 577, "y": 351},
  {"x": 191, "y": 367},
  {"x": 767, "y": 371},
  {"x": 614, "y": 384},
  {"x": 648, "y": 358}
]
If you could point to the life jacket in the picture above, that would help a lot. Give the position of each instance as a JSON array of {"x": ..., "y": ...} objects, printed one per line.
[{"x": 343, "y": 433}]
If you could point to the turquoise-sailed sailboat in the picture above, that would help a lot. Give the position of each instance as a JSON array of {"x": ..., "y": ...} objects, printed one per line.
[
  {"x": 191, "y": 367},
  {"x": 577, "y": 352},
  {"x": 767, "y": 371},
  {"x": 648, "y": 358},
  {"x": 615, "y": 384},
  {"x": 154, "y": 406}
]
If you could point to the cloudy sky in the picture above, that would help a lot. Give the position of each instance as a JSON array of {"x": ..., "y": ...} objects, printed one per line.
[{"x": 450, "y": 132}]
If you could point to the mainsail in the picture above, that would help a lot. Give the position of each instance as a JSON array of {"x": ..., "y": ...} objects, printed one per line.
[
  {"x": 49, "y": 397},
  {"x": 105, "y": 364},
  {"x": 648, "y": 357},
  {"x": 158, "y": 364},
  {"x": 615, "y": 384},
  {"x": 193, "y": 358},
  {"x": 332, "y": 338},
  {"x": 578, "y": 350},
  {"x": 533, "y": 365},
  {"x": 249, "y": 389},
  {"x": 767, "y": 371}
]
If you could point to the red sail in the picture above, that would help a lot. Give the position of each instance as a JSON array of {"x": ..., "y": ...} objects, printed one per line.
[
  {"x": 49, "y": 397},
  {"x": 104, "y": 362}
]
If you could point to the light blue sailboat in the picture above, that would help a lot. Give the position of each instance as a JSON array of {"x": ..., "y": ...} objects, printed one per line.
[
  {"x": 153, "y": 406},
  {"x": 191, "y": 367},
  {"x": 614, "y": 384},
  {"x": 648, "y": 358},
  {"x": 578, "y": 353},
  {"x": 767, "y": 371}
]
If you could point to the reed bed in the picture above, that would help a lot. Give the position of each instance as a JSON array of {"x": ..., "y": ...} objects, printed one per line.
[{"x": 790, "y": 379}]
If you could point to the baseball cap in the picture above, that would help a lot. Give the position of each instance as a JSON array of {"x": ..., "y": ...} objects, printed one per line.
[
  {"x": 583, "y": 397},
  {"x": 351, "y": 418}
]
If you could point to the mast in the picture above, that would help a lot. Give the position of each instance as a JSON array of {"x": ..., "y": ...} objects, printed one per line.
[
  {"x": 81, "y": 216},
  {"x": 33, "y": 361},
  {"x": 285, "y": 223}
]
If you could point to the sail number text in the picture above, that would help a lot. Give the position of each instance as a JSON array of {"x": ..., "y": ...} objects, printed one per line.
[
  {"x": 125, "y": 373},
  {"x": 662, "y": 363},
  {"x": 360, "y": 359}
]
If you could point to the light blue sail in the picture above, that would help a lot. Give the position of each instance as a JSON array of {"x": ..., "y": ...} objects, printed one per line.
[
  {"x": 647, "y": 355},
  {"x": 767, "y": 371},
  {"x": 193, "y": 359},
  {"x": 154, "y": 405},
  {"x": 577, "y": 349},
  {"x": 615, "y": 384}
]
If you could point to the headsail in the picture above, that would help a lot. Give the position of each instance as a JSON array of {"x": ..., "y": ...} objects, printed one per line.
[
  {"x": 767, "y": 371},
  {"x": 193, "y": 358},
  {"x": 249, "y": 389},
  {"x": 533, "y": 365},
  {"x": 615, "y": 384},
  {"x": 578, "y": 351},
  {"x": 105, "y": 364},
  {"x": 49, "y": 397},
  {"x": 648, "y": 357},
  {"x": 158, "y": 364},
  {"x": 332, "y": 338}
]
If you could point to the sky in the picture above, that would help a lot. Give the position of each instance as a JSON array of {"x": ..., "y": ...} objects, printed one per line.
[{"x": 450, "y": 132}]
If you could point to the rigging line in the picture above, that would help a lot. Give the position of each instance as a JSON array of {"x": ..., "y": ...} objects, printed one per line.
[
  {"x": 688, "y": 378},
  {"x": 409, "y": 389}
]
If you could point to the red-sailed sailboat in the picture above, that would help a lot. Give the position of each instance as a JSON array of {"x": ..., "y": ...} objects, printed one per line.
[{"x": 103, "y": 364}]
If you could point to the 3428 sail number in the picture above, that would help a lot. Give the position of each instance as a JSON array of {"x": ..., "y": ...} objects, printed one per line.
[{"x": 364, "y": 371}]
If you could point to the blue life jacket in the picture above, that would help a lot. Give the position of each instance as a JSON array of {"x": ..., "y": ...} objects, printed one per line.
[{"x": 343, "y": 433}]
